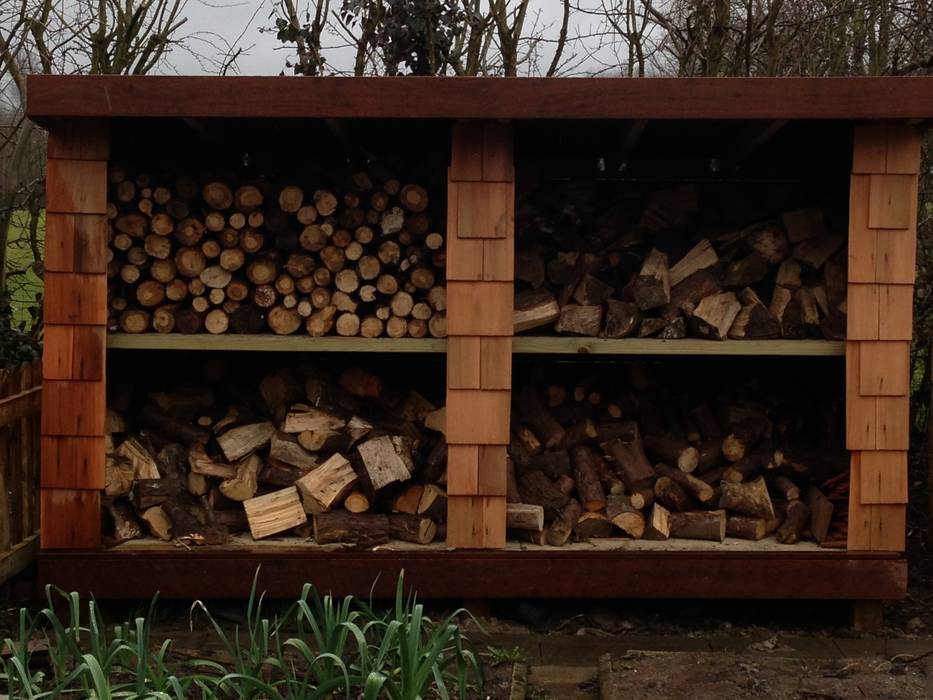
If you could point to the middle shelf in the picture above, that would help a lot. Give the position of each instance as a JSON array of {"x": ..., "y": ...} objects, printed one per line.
[{"x": 521, "y": 345}]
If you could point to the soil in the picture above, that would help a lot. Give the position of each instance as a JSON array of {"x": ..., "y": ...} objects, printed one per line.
[{"x": 679, "y": 676}]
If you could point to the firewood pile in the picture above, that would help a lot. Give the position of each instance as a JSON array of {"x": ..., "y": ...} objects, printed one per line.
[
  {"x": 253, "y": 257},
  {"x": 648, "y": 465},
  {"x": 664, "y": 275},
  {"x": 342, "y": 459}
]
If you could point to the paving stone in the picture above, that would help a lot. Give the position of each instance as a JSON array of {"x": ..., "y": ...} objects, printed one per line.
[
  {"x": 564, "y": 682},
  {"x": 909, "y": 647}
]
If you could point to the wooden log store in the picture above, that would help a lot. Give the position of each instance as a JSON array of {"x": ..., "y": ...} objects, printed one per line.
[{"x": 613, "y": 271}]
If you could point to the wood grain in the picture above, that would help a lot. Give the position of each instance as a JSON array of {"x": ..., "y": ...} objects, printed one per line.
[
  {"x": 73, "y": 408},
  {"x": 76, "y": 299},
  {"x": 498, "y": 162},
  {"x": 884, "y": 368},
  {"x": 849, "y": 98},
  {"x": 466, "y": 161},
  {"x": 892, "y": 422},
  {"x": 862, "y": 312},
  {"x": 891, "y": 200},
  {"x": 462, "y": 470},
  {"x": 496, "y": 363},
  {"x": 477, "y": 417},
  {"x": 888, "y": 528},
  {"x": 883, "y": 477},
  {"x": 72, "y": 462},
  {"x": 895, "y": 256},
  {"x": 479, "y": 308},
  {"x": 70, "y": 519},
  {"x": 895, "y": 306},
  {"x": 903, "y": 149},
  {"x": 859, "y": 525},
  {"x": 89, "y": 352},
  {"x": 862, "y": 239},
  {"x": 861, "y": 411},
  {"x": 499, "y": 259},
  {"x": 79, "y": 139},
  {"x": 76, "y": 186},
  {"x": 869, "y": 148},
  {"x": 485, "y": 209},
  {"x": 464, "y": 363},
  {"x": 57, "y": 350}
]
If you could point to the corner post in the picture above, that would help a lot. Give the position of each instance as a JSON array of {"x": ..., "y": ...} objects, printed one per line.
[
  {"x": 882, "y": 258},
  {"x": 480, "y": 274},
  {"x": 75, "y": 314}
]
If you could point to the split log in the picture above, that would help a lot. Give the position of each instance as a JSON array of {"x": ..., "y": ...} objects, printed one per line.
[
  {"x": 622, "y": 318},
  {"x": 239, "y": 442},
  {"x": 158, "y": 523},
  {"x": 534, "y": 308},
  {"x": 385, "y": 461},
  {"x": 714, "y": 315},
  {"x": 652, "y": 286},
  {"x": 408, "y": 499},
  {"x": 244, "y": 484},
  {"x": 580, "y": 320},
  {"x": 325, "y": 487},
  {"x": 153, "y": 492},
  {"x": 433, "y": 502},
  {"x": 821, "y": 513},
  {"x": 274, "y": 512},
  {"x": 657, "y": 526}
]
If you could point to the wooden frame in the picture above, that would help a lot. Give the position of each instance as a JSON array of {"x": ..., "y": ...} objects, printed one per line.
[{"x": 481, "y": 184}]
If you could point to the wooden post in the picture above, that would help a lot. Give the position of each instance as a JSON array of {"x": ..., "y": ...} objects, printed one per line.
[
  {"x": 73, "y": 396},
  {"x": 480, "y": 262},
  {"x": 882, "y": 257}
]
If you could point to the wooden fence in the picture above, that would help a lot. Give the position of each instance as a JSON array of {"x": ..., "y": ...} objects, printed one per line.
[{"x": 20, "y": 394}]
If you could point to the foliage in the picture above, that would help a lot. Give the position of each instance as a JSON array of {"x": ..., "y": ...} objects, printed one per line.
[
  {"x": 338, "y": 648},
  {"x": 502, "y": 655}
]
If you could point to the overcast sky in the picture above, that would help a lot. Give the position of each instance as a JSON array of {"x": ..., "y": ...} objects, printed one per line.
[{"x": 238, "y": 22}]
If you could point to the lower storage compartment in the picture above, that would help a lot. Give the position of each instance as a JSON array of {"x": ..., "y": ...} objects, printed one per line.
[{"x": 215, "y": 449}]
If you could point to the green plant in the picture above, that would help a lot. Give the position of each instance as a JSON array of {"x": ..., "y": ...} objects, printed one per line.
[
  {"x": 340, "y": 648},
  {"x": 501, "y": 655}
]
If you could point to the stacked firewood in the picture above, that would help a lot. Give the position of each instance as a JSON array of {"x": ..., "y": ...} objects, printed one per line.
[
  {"x": 666, "y": 278},
  {"x": 342, "y": 460},
  {"x": 256, "y": 257},
  {"x": 586, "y": 466}
]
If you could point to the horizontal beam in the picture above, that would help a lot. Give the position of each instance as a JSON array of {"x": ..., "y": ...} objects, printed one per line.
[
  {"x": 566, "y": 345},
  {"x": 482, "y": 574},
  {"x": 21, "y": 405},
  {"x": 52, "y": 97},
  {"x": 273, "y": 343}
]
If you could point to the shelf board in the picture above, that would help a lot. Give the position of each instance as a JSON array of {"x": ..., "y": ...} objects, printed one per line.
[
  {"x": 273, "y": 343},
  {"x": 521, "y": 345},
  {"x": 565, "y": 345}
]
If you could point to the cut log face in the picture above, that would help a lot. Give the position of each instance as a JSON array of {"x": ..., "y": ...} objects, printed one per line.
[
  {"x": 652, "y": 287},
  {"x": 274, "y": 512},
  {"x": 383, "y": 462},
  {"x": 411, "y": 528},
  {"x": 714, "y": 316},
  {"x": 625, "y": 516},
  {"x": 325, "y": 487},
  {"x": 244, "y": 484}
]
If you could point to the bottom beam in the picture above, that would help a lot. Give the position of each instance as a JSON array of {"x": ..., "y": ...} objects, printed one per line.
[{"x": 481, "y": 574}]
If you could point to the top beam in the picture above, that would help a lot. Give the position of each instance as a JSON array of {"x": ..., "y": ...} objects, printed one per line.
[{"x": 54, "y": 97}]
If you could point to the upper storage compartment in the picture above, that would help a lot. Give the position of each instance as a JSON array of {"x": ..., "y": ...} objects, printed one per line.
[
  {"x": 677, "y": 229},
  {"x": 311, "y": 227}
]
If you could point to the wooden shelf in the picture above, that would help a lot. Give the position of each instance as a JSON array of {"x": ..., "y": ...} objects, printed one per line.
[
  {"x": 273, "y": 343},
  {"x": 564, "y": 345}
]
